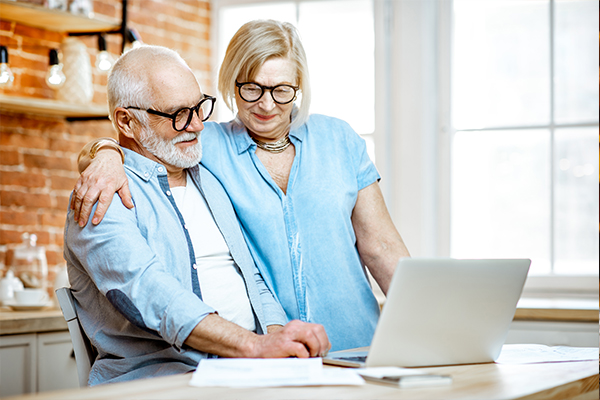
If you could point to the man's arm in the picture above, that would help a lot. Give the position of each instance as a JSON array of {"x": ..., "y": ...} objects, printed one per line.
[
  {"x": 216, "y": 335},
  {"x": 101, "y": 176}
]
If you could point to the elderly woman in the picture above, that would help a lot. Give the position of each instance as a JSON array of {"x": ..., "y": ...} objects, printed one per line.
[{"x": 303, "y": 187}]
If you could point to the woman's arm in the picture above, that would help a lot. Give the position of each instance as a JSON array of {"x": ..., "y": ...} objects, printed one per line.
[
  {"x": 102, "y": 175},
  {"x": 379, "y": 243}
]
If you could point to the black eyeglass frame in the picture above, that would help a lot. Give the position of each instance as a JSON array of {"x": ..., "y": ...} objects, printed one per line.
[
  {"x": 173, "y": 116},
  {"x": 262, "y": 91}
]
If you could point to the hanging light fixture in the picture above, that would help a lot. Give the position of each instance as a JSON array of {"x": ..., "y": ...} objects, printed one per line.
[
  {"x": 55, "y": 77},
  {"x": 6, "y": 75},
  {"x": 104, "y": 60}
]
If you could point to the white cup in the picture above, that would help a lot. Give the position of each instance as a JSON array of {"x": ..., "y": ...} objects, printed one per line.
[{"x": 31, "y": 297}]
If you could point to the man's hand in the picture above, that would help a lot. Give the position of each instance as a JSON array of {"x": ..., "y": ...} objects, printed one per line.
[
  {"x": 99, "y": 182},
  {"x": 295, "y": 339}
]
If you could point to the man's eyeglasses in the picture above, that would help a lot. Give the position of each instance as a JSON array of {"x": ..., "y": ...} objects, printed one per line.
[
  {"x": 183, "y": 117},
  {"x": 252, "y": 92}
]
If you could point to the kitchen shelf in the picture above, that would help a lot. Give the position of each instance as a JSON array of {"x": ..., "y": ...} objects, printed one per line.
[
  {"x": 54, "y": 20},
  {"x": 49, "y": 107}
]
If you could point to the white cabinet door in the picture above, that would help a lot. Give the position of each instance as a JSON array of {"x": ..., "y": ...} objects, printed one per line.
[
  {"x": 18, "y": 364},
  {"x": 56, "y": 367}
]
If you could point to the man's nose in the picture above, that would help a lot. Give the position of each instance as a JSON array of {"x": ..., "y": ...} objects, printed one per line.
[{"x": 196, "y": 124}]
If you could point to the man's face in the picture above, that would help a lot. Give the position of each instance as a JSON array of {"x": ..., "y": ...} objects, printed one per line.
[{"x": 173, "y": 88}]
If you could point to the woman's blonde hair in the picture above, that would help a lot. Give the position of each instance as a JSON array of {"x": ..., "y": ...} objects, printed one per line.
[{"x": 253, "y": 44}]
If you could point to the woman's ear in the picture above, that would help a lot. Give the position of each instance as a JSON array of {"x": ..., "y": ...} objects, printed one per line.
[{"x": 125, "y": 122}]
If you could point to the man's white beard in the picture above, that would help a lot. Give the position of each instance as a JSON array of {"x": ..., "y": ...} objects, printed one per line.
[{"x": 166, "y": 151}]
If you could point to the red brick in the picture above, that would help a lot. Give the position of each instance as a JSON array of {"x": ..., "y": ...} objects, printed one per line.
[
  {"x": 37, "y": 33},
  {"x": 59, "y": 239},
  {"x": 33, "y": 81},
  {"x": 62, "y": 183},
  {"x": 53, "y": 218},
  {"x": 21, "y": 140},
  {"x": 38, "y": 161},
  {"x": 65, "y": 145},
  {"x": 43, "y": 238},
  {"x": 9, "y": 157},
  {"x": 24, "y": 179},
  {"x": 18, "y": 218},
  {"x": 14, "y": 198},
  {"x": 6, "y": 26},
  {"x": 19, "y": 62},
  {"x": 62, "y": 203},
  {"x": 53, "y": 258},
  {"x": 10, "y": 236}
]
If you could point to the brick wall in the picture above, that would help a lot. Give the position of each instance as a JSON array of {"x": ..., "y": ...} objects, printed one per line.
[{"x": 38, "y": 153}]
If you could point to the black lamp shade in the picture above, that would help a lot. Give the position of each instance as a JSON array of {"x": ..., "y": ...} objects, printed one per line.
[
  {"x": 3, "y": 55},
  {"x": 101, "y": 43},
  {"x": 53, "y": 57},
  {"x": 132, "y": 36}
]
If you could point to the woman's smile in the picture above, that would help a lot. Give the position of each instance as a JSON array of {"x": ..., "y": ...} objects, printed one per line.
[{"x": 264, "y": 117}]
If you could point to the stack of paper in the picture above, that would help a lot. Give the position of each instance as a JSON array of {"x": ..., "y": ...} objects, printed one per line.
[{"x": 244, "y": 372}]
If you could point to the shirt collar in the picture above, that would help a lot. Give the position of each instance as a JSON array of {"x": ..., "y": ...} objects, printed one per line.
[{"x": 142, "y": 166}]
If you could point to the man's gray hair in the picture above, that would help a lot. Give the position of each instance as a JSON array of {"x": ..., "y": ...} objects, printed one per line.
[{"x": 129, "y": 80}]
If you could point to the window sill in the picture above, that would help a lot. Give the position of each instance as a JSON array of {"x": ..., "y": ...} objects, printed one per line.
[{"x": 565, "y": 309}]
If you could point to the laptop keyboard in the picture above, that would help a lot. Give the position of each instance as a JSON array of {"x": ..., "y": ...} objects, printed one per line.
[{"x": 355, "y": 358}]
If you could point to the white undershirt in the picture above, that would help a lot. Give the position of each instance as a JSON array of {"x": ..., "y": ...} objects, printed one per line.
[{"x": 221, "y": 284}]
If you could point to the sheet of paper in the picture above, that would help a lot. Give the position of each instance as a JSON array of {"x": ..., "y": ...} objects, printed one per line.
[
  {"x": 239, "y": 372},
  {"x": 537, "y": 353}
]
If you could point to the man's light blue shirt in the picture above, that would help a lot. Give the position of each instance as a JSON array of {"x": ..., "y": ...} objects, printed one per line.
[
  {"x": 134, "y": 279},
  {"x": 303, "y": 241}
]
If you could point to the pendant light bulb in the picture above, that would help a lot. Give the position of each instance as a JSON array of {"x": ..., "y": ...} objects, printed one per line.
[
  {"x": 55, "y": 78},
  {"x": 104, "y": 60},
  {"x": 6, "y": 75}
]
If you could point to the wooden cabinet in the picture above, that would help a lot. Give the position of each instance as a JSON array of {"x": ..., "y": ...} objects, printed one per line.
[
  {"x": 36, "y": 362},
  {"x": 18, "y": 374}
]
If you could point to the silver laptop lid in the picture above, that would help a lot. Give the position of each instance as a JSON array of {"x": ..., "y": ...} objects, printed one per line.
[{"x": 443, "y": 311}]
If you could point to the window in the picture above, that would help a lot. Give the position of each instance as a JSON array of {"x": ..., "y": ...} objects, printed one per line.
[
  {"x": 524, "y": 115},
  {"x": 336, "y": 34}
]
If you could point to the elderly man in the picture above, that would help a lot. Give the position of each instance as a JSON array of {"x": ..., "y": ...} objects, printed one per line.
[{"x": 165, "y": 284}]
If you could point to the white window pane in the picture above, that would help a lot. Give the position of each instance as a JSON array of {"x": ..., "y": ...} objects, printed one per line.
[
  {"x": 576, "y": 61},
  {"x": 500, "y": 204},
  {"x": 500, "y": 63},
  {"x": 232, "y": 18},
  {"x": 576, "y": 201},
  {"x": 338, "y": 38}
]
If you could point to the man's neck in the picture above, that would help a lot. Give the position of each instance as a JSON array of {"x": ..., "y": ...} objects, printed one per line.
[{"x": 176, "y": 178}]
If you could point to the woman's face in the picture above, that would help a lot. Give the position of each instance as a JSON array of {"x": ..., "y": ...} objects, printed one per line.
[{"x": 265, "y": 119}]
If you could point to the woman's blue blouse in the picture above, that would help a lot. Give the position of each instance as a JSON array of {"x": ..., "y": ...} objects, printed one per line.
[{"x": 303, "y": 241}]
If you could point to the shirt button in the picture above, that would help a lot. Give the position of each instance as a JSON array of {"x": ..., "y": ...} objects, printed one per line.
[
  {"x": 160, "y": 169},
  {"x": 195, "y": 266},
  {"x": 146, "y": 174},
  {"x": 168, "y": 192}
]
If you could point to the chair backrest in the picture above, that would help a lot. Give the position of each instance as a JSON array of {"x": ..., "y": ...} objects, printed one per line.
[{"x": 85, "y": 354}]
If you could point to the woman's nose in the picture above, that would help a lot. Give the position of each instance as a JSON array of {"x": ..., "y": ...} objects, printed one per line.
[{"x": 266, "y": 102}]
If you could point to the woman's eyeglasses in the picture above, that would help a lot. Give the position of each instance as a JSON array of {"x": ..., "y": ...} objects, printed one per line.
[{"x": 252, "y": 92}]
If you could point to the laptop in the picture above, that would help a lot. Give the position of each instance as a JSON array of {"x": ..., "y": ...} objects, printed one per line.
[{"x": 442, "y": 311}]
